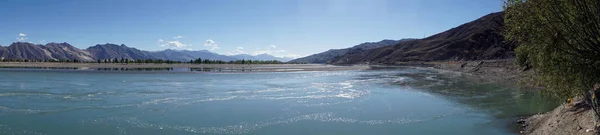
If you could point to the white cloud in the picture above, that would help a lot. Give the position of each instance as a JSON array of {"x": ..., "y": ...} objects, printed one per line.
[
  {"x": 293, "y": 56},
  {"x": 178, "y": 37},
  {"x": 43, "y": 41},
  {"x": 174, "y": 44},
  {"x": 211, "y": 45},
  {"x": 22, "y": 37},
  {"x": 261, "y": 52},
  {"x": 268, "y": 51},
  {"x": 238, "y": 50}
]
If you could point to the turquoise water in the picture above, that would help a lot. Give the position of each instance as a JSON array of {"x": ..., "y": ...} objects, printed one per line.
[{"x": 366, "y": 102}]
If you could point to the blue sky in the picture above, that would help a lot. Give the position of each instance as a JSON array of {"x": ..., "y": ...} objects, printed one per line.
[{"x": 277, "y": 27}]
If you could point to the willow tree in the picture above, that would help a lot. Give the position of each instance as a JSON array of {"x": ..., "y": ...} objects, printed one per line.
[{"x": 560, "y": 39}]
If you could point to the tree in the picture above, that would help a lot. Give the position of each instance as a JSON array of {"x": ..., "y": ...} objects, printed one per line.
[
  {"x": 560, "y": 39},
  {"x": 198, "y": 61}
]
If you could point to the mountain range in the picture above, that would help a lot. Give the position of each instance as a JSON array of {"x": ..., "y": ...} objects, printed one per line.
[
  {"x": 65, "y": 51},
  {"x": 480, "y": 39},
  {"x": 329, "y": 55},
  {"x": 261, "y": 57}
]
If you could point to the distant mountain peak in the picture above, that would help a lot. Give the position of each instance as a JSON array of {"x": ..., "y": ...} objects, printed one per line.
[
  {"x": 63, "y": 51},
  {"x": 480, "y": 39},
  {"x": 262, "y": 56},
  {"x": 31, "y": 51},
  {"x": 330, "y": 54}
]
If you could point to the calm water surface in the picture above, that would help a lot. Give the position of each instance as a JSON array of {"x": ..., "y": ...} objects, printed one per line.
[{"x": 368, "y": 102}]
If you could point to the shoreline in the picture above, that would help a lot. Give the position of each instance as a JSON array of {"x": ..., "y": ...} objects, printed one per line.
[
  {"x": 503, "y": 71},
  {"x": 196, "y": 67},
  {"x": 563, "y": 120},
  {"x": 499, "y": 70}
]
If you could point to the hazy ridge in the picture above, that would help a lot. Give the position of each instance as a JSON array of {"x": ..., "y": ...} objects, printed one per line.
[{"x": 65, "y": 51}]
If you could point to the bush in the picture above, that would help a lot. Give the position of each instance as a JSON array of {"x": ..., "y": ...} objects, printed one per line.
[{"x": 560, "y": 39}]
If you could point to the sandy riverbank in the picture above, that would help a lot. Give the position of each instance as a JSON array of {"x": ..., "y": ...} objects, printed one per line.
[
  {"x": 577, "y": 119},
  {"x": 245, "y": 67}
]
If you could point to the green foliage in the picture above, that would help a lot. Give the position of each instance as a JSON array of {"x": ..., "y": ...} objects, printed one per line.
[
  {"x": 208, "y": 61},
  {"x": 560, "y": 39}
]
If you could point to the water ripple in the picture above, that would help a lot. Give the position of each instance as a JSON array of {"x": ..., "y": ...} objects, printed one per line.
[
  {"x": 244, "y": 127},
  {"x": 6, "y": 130}
]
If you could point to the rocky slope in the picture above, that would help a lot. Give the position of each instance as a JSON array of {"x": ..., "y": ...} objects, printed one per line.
[
  {"x": 65, "y": 51},
  {"x": 329, "y": 55},
  {"x": 577, "y": 119},
  {"x": 111, "y": 51},
  {"x": 23, "y": 50},
  {"x": 480, "y": 39},
  {"x": 172, "y": 55}
]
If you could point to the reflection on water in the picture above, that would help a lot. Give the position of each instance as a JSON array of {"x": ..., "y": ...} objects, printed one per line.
[
  {"x": 133, "y": 69},
  {"x": 501, "y": 98},
  {"x": 382, "y": 101},
  {"x": 202, "y": 69},
  {"x": 37, "y": 68}
]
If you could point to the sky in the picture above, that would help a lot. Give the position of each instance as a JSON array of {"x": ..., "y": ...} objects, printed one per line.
[{"x": 290, "y": 28}]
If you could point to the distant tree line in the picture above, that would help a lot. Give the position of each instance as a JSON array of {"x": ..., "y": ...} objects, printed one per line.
[
  {"x": 155, "y": 61},
  {"x": 208, "y": 61},
  {"x": 126, "y": 61}
]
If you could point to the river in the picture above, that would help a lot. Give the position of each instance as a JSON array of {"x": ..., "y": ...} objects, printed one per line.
[{"x": 386, "y": 101}]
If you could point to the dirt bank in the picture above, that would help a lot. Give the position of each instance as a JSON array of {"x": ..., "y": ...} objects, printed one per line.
[{"x": 577, "y": 119}]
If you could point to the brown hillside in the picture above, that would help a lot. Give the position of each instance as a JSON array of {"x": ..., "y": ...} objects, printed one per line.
[{"x": 477, "y": 40}]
